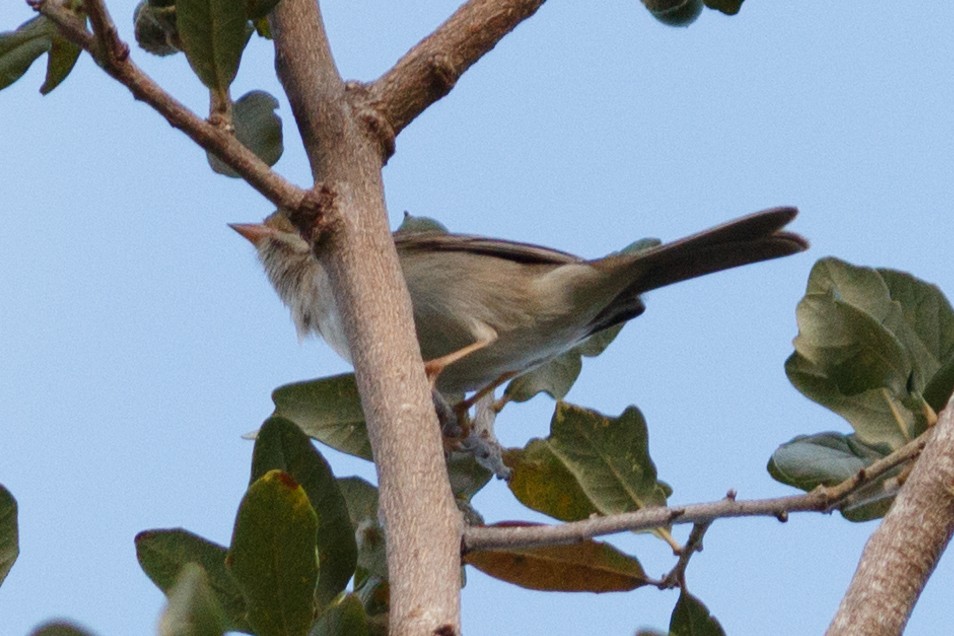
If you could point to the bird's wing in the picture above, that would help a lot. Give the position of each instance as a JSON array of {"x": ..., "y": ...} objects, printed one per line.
[{"x": 508, "y": 250}]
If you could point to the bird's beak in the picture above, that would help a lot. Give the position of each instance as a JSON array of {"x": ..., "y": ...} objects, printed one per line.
[{"x": 254, "y": 232}]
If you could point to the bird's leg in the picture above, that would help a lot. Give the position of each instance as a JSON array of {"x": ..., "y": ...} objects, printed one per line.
[
  {"x": 459, "y": 421},
  {"x": 455, "y": 422},
  {"x": 482, "y": 443},
  {"x": 489, "y": 389},
  {"x": 461, "y": 416},
  {"x": 434, "y": 367},
  {"x": 452, "y": 427}
]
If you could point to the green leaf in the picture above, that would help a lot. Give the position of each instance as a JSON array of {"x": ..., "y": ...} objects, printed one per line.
[
  {"x": 9, "y": 532},
  {"x": 20, "y": 48},
  {"x": 557, "y": 376},
  {"x": 155, "y": 28},
  {"x": 466, "y": 475},
  {"x": 542, "y": 481},
  {"x": 675, "y": 12},
  {"x": 329, "y": 410},
  {"x": 273, "y": 556},
  {"x": 257, "y": 9},
  {"x": 257, "y": 127},
  {"x": 931, "y": 338},
  {"x": 344, "y": 618},
  {"x": 375, "y": 596},
  {"x": 412, "y": 224},
  {"x": 282, "y": 445},
  {"x": 691, "y": 618},
  {"x": 826, "y": 459},
  {"x": 588, "y": 566},
  {"x": 213, "y": 35},
  {"x": 589, "y": 464},
  {"x": 870, "y": 342},
  {"x": 362, "y": 500},
  {"x": 554, "y": 378},
  {"x": 192, "y": 609},
  {"x": 163, "y": 553},
  {"x": 728, "y": 7},
  {"x": 62, "y": 59},
  {"x": 823, "y": 459},
  {"x": 938, "y": 391},
  {"x": 263, "y": 28},
  {"x": 60, "y": 628}
]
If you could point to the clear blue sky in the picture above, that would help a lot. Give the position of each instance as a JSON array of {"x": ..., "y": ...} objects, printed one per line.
[{"x": 139, "y": 339}]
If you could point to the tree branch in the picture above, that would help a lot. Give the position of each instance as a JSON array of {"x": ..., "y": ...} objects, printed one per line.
[
  {"x": 356, "y": 249},
  {"x": 821, "y": 499},
  {"x": 902, "y": 553},
  {"x": 112, "y": 54},
  {"x": 431, "y": 68},
  {"x": 677, "y": 576}
]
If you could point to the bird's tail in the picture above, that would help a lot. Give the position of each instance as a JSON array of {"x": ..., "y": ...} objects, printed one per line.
[{"x": 749, "y": 239}]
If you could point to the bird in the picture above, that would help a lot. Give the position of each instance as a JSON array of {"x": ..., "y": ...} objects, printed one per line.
[{"x": 487, "y": 310}]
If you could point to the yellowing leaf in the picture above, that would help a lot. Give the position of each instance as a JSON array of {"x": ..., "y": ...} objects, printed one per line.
[
  {"x": 590, "y": 463},
  {"x": 589, "y": 566},
  {"x": 282, "y": 445},
  {"x": 273, "y": 556}
]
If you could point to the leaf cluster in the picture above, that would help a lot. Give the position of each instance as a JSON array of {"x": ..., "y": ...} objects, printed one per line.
[
  {"x": 36, "y": 37},
  {"x": 875, "y": 346},
  {"x": 682, "y": 13},
  {"x": 213, "y": 35},
  {"x": 293, "y": 551}
]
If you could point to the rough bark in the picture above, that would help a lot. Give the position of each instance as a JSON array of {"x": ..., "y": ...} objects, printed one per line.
[
  {"x": 423, "y": 524},
  {"x": 903, "y": 552}
]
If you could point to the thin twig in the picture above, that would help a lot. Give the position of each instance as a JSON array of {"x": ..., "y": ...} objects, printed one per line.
[
  {"x": 838, "y": 493},
  {"x": 104, "y": 45},
  {"x": 112, "y": 49},
  {"x": 821, "y": 499},
  {"x": 430, "y": 69},
  {"x": 677, "y": 576}
]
